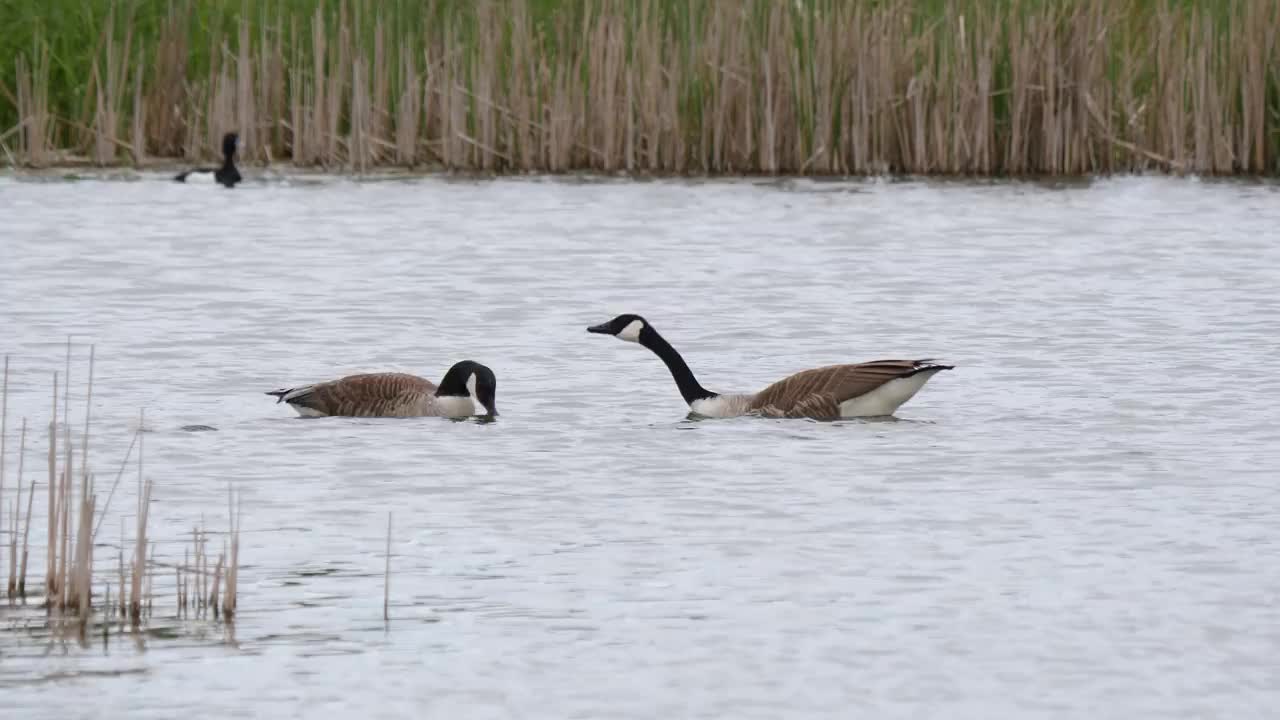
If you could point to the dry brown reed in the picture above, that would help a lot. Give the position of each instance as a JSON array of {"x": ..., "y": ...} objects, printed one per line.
[
  {"x": 197, "y": 569},
  {"x": 386, "y": 580},
  {"x": 109, "y": 81},
  {"x": 26, "y": 540},
  {"x": 206, "y": 592},
  {"x": 138, "y": 568},
  {"x": 50, "y": 582},
  {"x": 124, "y": 464},
  {"x": 229, "y": 597},
  {"x": 14, "y": 516},
  {"x": 724, "y": 86},
  {"x": 179, "y": 585},
  {"x": 36, "y": 122},
  {"x": 73, "y": 593},
  {"x": 4, "y": 436},
  {"x": 217, "y": 581}
]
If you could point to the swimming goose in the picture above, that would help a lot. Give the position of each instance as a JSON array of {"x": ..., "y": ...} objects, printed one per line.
[
  {"x": 837, "y": 391},
  {"x": 397, "y": 394},
  {"x": 227, "y": 175}
]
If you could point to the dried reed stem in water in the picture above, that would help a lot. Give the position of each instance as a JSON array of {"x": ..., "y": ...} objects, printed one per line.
[
  {"x": 64, "y": 537},
  {"x": 124, "y": 595},
  {"x": 119, "y": 474},
  {"x": 66, "y": 391},
  {"x": 82, "y": 575},
  {"x": 4, "y": 436},
  {"x": 62, "y": 596},
  {"x": 16, "y": 515},
  {"x": 197, "y": 542},
  {"x": 233, "y": 564},
  {"x": 12, "y": 585},
  {"x": 88, "y": 411},
  {"x": 217, "y": 582},
  {"x": 386, "y": 580},
  {"x": 26, "y": 543},
  {"x": 50, "y": 579},
  {"x": 151, "y": 576},
  {"x": 140, "y": 551}
]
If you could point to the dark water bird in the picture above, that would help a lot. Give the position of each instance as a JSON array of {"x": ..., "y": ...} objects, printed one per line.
[
  {"x": 226, "y": 175},
  {"x": 466, "y": 385},
  {"x": 867, "y": 389}
]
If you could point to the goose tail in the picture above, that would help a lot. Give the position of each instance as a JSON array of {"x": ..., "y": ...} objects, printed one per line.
[
  {"x": 929, "y": 365},
  {"x": 289, "y": 394}
]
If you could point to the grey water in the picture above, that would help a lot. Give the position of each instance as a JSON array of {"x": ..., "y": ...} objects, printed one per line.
[{"x": 1080, "y": 520}]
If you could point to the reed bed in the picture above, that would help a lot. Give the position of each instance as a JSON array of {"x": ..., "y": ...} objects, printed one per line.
[
  {"x": 821, "y": 87},
  {"x": 75, "y": 592}
]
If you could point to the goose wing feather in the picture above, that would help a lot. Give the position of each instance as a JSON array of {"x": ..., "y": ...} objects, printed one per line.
[
  {"x": 817, "y": 393},
  {"x": 368, "y": 395}
]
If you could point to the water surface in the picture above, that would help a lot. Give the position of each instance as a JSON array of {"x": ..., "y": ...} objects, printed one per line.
[{"x": 1080, "y": 520}]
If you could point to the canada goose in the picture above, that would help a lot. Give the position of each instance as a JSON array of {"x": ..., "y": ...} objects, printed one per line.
[
  {"x": 227, "y": 175},
  {"x": 861, "y": 390},
  {"x": 397, "y": 394}
]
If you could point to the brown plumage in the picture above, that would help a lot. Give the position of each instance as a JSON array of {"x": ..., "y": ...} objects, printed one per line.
[
  {"x": 397, "y": 394},
  {"x": 819, "y": 393},
  {"x": 369, "y": 395}
]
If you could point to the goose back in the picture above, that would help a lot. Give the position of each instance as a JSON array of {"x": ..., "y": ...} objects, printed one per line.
[
  {"x": 368, "y": 395},
  {"x": 826, "y": 392}
]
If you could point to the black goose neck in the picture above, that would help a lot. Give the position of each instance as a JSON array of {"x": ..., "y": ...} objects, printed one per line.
[
  {"x": 454, "y": 382},
  {"x": 688, "y": 384}
]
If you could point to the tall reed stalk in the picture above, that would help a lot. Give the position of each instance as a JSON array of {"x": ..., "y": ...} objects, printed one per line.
[
  {"x": 229, "y": 598},
  {"x": 982, "y": 87},
  {"x": 4, "y": 437},
  {"x": 386, "y": 580},
  {"x": 15, "y": 522}
]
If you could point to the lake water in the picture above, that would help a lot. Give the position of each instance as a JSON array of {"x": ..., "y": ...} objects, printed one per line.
[{"x": 1081, "y": 520}]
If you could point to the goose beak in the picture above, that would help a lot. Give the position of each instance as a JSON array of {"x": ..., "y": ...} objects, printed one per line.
[{"x": 601, "y": 329}]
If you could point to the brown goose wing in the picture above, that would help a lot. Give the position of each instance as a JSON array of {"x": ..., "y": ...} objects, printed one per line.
[
  {"x": 369, "y": 395},
  {"x": 817, "y": 393}
]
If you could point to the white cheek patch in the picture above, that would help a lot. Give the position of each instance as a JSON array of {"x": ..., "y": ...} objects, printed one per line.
[
  {"x": 471, "y": 385},
  {"x": 631, "y": 333}
]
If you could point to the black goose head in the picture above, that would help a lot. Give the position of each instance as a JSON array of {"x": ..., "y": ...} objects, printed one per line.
[
  {"x": 627, "y": 327},
  {"x": 469, "y": 378},
  {"x": 229, "y": 143}
]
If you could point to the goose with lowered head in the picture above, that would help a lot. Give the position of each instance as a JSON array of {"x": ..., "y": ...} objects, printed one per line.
[
  {"x": 869, "y": 389},
  {"x": 466, "y": 385}
]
